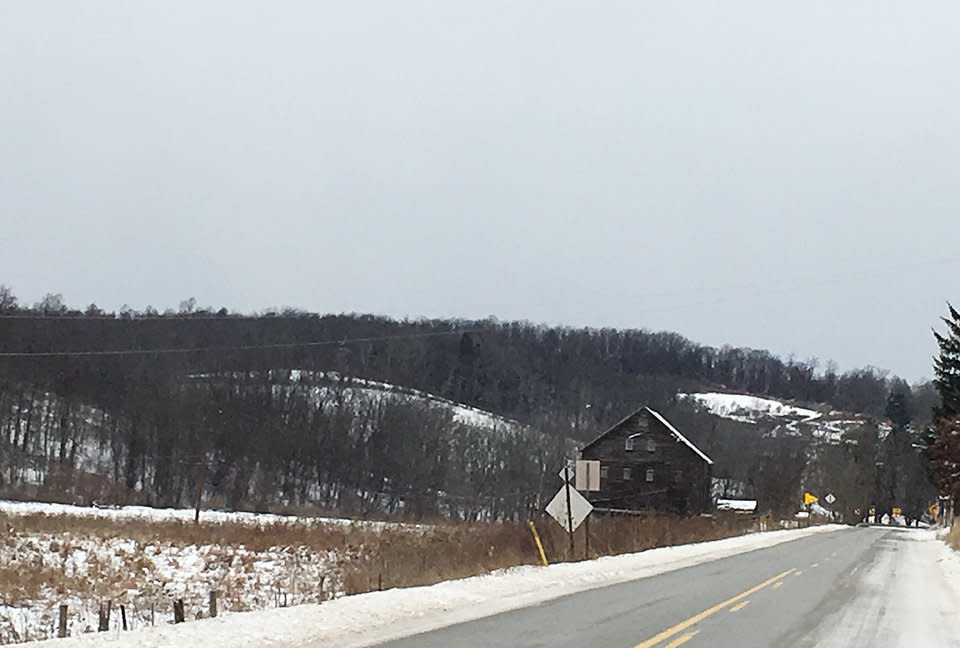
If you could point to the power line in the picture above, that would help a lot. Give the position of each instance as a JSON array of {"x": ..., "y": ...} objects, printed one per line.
[
  {"x": 246, "y": 347},
  {"x": 73, "y": 316}
]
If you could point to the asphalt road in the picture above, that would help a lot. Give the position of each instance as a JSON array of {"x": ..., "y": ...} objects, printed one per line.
[{"x": 860, "y": 587}]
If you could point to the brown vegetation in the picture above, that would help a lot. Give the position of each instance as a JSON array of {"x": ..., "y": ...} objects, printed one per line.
[
  {"x": 367, "y": 555},
  {"x": 953, "y": 537}
]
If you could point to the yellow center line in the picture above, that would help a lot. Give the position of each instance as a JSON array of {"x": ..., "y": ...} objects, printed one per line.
[
  {"x": 739, "y": 606},
  {"x": 697, "y": 618},
  {"x": 682, "y": 639},
  {"x": 777, "y": 584},
  {"x": 798, "y": 572},
  {"x": 816, "y": 564}
]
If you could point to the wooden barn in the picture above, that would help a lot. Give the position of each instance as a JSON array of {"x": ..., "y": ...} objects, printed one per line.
[{"x": 646, "y": 464}]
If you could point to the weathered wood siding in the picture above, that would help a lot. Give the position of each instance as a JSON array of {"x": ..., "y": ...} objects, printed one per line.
[{"x": 680, "y": 478}]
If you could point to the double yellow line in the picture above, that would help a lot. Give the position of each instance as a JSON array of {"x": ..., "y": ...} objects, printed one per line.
[{"x": 697, "y": 618}]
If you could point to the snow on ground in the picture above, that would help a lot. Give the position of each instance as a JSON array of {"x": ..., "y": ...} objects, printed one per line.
[
  {"x": 171, "y": 514},
  {"x": 747, "y": 408},
  {"x": 907, "y": 596},
  {"x": 372, "y": 390},
  {"x": 364, "y": 619},
  {"x": 80, "y": 568}
]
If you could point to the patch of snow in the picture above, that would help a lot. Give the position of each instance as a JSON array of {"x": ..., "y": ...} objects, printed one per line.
[
  {"x": 737, "y": 505},
  {"x": 15, "y": 508}
]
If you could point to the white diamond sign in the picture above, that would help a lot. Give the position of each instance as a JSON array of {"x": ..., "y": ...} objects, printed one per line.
[
  {"x": 830, "y": 498},
  {"x": 579, "y": 508}
]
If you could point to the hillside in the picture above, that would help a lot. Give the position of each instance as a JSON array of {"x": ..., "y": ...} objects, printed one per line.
[
  {"x": 771, "y": 450},
  {"x": 295, "y": 440},
  {"x": 363, "y": 415}
]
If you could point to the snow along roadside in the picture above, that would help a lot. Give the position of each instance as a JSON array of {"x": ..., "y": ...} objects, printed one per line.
[{"x": 365, "y": 619}]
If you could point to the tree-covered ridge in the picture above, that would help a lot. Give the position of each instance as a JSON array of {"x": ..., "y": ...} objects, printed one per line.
[
  {"x": 200, "y": 401},
  {"x": 518, "y": 369}
]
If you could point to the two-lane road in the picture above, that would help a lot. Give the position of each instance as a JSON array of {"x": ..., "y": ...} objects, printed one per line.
[{"x": 860, "y": 587}]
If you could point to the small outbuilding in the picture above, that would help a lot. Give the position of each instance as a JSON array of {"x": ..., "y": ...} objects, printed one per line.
[{"x": 646, "y": 464}]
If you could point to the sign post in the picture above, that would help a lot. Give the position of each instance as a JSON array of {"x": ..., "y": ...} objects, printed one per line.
[
  {"x": 566, "y": 486},
  {"x": 568, "y": 507}
]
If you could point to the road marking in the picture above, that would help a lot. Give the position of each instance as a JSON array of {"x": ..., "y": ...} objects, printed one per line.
[
  {"x": 682, "y": 639},
  {"x": 777, "y": 585},
  {"x": 816, "y": 564},
  {"x": 697, "y": 618},
  {"x": 739, "y": 606},
  {"x": 797, "y": 573}
]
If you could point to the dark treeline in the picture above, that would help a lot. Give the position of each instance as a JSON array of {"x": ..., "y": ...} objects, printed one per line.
[{"x": 169, "y": 432}]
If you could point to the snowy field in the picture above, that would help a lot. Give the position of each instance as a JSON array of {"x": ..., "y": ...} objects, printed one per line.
[
  {"x": 747, "y": 408},
  {"x": 783, "y": 418},
  {"x": 364, "y": 619},
  {"x": 136, "y": 558},
  {"x": 171, "y": 514}
]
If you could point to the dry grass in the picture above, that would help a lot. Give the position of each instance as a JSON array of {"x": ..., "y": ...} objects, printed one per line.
[
  {"x": 365, "y": 556},
  {"x": 455, "y": 551},
  {"x": 953, "y": 536}
]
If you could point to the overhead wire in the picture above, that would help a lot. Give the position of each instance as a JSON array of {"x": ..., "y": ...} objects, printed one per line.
[{"x": 245, "y": 347}]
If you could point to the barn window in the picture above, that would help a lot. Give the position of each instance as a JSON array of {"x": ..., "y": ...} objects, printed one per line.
[
  {"x": 651, "y": 445},
  {"x": 626, "y": 472},
  {"x": 603, "y": 472},
  {"x": 649, "y": 474},
  {"x": 629, "y": 443}
]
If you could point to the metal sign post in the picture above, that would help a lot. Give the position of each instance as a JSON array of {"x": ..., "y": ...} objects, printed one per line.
[
  {"x": 566, "y": 485},
  {"x": 586, "y": 523}
]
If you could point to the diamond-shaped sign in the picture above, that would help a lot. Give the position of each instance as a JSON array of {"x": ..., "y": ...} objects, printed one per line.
[
  {"x": 569, "y": 471},
  {"x": 830, "y": 498},
  {"x": 579, "y": 508}
]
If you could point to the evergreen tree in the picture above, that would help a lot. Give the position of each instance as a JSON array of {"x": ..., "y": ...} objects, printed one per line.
[
  {"x": 944, "y": 456},
  {"x": 946, "y": 368},
  {"x": 943, "y": 441}
]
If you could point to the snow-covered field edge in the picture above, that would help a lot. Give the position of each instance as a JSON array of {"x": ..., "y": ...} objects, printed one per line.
[{"x": 374, "y": 617}]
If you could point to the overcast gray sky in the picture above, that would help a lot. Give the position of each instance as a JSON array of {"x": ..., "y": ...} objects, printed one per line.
[{"x": 781, "y": 175}]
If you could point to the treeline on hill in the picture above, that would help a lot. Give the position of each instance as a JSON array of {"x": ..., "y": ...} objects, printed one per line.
[{"x": 241, "y": 440}]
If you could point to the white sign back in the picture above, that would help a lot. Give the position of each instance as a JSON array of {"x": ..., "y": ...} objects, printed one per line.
[
  {"x": 579, "y": 508},
  {"x": 588, "y": 475}
]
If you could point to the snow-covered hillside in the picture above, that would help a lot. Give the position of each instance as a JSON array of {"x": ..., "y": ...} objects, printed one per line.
[
  {"x": 777, "y": 417},
  {"x": 323, "y": 384},
  {"x": 324, "y": 387},
  {"x": 747, "y": 408}
]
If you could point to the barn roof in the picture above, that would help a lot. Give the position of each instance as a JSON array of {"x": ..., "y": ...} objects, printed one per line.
[{"x": 674, "y": 431}]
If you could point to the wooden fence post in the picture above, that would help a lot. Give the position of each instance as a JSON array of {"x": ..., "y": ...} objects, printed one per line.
[
  {"x": 213, "y": 603},
  {"x": 104, "y": 617},
  {"x": 62, "y": 626},
  {"x": 178, "y": 611}
]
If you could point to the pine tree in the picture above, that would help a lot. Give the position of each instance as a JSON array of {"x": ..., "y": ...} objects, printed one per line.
[
  {"x": 944, "y": 456},
  {"x": 943, "y": 442},
  {"x": 946, "y": 368}
]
